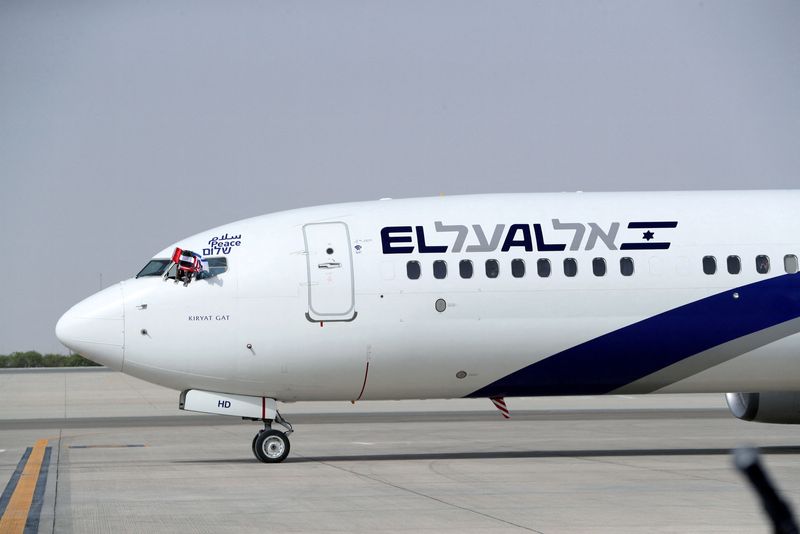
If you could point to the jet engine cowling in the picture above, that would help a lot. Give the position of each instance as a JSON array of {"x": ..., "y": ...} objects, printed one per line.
[{"x": 781, "y": 407}]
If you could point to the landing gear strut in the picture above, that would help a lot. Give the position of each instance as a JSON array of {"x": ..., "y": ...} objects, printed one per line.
[{"x": 272, "y": 446}]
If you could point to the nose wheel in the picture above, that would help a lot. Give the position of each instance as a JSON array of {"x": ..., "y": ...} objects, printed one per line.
[{"x": 272, "y": 446}]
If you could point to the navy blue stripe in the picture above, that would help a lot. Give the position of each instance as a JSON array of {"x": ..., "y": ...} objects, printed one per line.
[
  {"x": 613, "y": 360},
  {"x": 644, "y": 246},
  {"x": 653, "y": 224},
  {"x": 12, "y": 482},
  {"x": 32, "y": 523}
]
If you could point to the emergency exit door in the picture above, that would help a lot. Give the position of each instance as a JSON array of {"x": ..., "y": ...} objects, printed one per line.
[{"x": 331, "y": 295}]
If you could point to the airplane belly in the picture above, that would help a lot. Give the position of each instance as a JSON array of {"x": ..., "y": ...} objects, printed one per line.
[{"x": 453, "y": 360}]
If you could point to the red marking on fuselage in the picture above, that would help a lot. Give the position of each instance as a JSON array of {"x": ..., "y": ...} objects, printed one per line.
[{"x": 364, "y": 385}]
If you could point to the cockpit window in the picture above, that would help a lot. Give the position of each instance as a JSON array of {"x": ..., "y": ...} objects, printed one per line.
[
  {"x": 212, "y": 267},
  {"x": 216, "y": 266},
  {"x": 154, "y": 268}
]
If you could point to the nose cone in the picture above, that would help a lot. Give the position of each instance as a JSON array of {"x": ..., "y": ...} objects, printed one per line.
[{"x": 95, "y": 328}]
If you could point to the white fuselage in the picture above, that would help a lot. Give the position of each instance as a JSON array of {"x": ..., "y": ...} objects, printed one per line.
[{"x": 317, "y": 303}]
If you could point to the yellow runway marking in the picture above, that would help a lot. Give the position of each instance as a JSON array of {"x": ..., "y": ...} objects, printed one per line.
[{"x": 13, "y": 521}]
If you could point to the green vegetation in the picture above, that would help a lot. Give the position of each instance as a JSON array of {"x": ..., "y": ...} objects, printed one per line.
[{"x": 32, "y": 358}]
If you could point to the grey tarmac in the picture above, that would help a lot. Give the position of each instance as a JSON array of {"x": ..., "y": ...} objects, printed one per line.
[{"x": 125, "y": 459}]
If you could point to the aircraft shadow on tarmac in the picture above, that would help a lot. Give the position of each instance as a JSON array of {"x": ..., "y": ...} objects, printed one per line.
[{"x": 489, "y": 455}]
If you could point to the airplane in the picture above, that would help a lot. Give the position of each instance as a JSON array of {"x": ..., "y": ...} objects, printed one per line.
[{"x": 487, "y": 296}]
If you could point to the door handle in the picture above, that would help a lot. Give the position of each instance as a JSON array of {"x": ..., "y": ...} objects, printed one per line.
[{"x": 329, "y": 265}]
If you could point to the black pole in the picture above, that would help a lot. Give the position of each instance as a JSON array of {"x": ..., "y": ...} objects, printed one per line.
[{"x": 748, "y": 462}]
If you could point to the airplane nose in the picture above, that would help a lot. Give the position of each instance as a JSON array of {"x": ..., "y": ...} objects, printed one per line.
[{"x": 95, "y": 328}]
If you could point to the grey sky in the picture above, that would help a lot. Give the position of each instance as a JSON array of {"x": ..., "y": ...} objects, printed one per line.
[{"x": 125, "y": 126}]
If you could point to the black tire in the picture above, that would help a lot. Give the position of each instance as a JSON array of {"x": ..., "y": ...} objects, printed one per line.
[
  {"x": 253, "y": 446},
  {"x": 271, "y": 446}
]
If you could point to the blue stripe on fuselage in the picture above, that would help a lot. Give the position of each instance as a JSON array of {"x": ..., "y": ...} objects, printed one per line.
[{"x": 618, "y": 358}]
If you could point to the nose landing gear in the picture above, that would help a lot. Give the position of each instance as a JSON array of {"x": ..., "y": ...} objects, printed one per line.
[{"x": 270, "y": 445}]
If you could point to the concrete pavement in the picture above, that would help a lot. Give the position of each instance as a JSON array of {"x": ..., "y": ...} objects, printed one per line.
[{"x": 125, "y": 459}]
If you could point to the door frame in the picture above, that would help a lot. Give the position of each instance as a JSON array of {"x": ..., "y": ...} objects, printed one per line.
[{"x": 350, "y": 314}]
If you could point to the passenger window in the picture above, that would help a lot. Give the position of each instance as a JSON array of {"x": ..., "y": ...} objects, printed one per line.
[
  {"x": 709, "y": 264},
  {"x": 517, "y": 268},
  {"x": 570, "y": 267},
  {"x": 626, "y": 266},
  {"x": 413, "y": 270},
  {"x": 599, "y": 267},
  {"x": 762, "y": 264},
  {"x": 790, "y": 263},
  {"x": 543, "y": 267},
  {"x": 492, "y": 268},
  {"x": 439, "y": 269},
  {"x": 465, "y": 268},
  {"x": 734, "y": 265}
]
